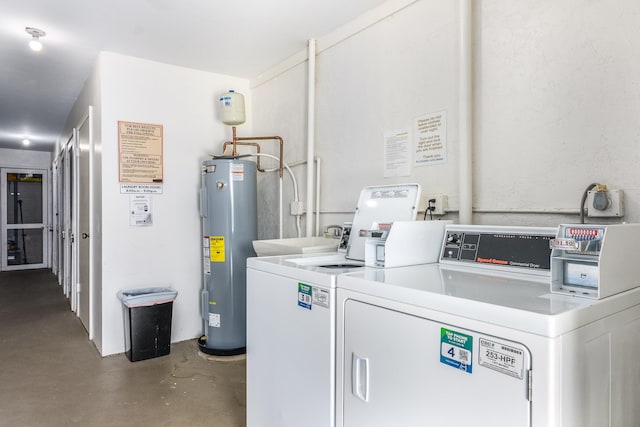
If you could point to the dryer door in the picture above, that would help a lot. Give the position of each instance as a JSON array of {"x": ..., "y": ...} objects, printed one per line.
[{"x": 403, "y": 370}]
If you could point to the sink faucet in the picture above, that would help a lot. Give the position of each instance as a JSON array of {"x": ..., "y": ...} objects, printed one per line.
[{"x": 335, "y": 233}]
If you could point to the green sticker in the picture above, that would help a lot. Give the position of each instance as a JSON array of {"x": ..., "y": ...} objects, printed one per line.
[
  {"x": 304, "y": 295},
  {"x": 456, "y": 349}
]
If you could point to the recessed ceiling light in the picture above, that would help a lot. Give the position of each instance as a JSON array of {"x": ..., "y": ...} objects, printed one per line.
[
  {"x": 26, "y": 141},
  {"x": 35, "y": 44}
]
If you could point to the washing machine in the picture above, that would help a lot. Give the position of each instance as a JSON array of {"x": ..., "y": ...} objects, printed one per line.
[
  {"x": 480, "y": 339},
  {"x": 291, "y": 315}
]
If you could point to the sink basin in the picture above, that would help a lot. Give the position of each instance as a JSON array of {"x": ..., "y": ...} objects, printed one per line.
[{"x": 298, "y": 245}]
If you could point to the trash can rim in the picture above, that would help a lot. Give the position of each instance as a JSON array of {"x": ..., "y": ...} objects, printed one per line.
[{"x": 147, "y": 296}]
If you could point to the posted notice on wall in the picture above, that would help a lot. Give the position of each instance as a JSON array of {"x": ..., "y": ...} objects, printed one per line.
[
  {"x": 397, "y": 153},
  {"x": 140, "y": 213},
  {"x": 430, "y": 133},
  {"x": 140, "y": 157}
]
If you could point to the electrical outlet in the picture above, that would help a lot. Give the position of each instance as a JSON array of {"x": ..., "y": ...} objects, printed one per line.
[
  {"x": 439, "y": 206},
  {"x": 615, "y": 208}
]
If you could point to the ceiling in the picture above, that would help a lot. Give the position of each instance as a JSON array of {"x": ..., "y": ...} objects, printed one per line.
[{"x": 241, "y": 38}]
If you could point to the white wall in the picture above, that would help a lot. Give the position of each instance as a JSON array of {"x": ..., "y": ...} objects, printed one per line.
[
  {"x": 558, "y": 101},
  {"x": 557, "y": 97},
  {"x": 377, "y": 74},
  {"x": 24, "y": 159},
  {"x": 168, "y": 253}
]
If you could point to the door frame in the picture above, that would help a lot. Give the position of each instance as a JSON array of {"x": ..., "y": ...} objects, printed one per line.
[
  {"x": 67, "y": 216},
  {"x": 84, "y": 207},
  {"x": 55, "y": 219},
  {"x": 44, "y": 225}
]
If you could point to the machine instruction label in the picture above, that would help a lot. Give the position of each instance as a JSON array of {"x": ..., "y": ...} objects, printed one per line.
[
  {"x": 456, "y": 349},
  {"x": 320, "y": 297},
  {"x": 305, "y": 295},
  {"x": 216, "y": 248},
  {"x": 501, "y": 357}
]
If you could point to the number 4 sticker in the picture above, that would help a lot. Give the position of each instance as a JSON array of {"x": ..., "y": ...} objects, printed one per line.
[{"x": 456, "y": 349}]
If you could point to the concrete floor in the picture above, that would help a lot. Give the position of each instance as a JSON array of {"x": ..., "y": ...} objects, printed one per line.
[{"x": 52, "y": 375}]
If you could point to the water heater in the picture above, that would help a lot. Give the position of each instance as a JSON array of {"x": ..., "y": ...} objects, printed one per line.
[{"x": 229, "y": 225}]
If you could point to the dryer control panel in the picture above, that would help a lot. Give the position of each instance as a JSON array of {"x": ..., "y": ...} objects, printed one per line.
[{"x": 522, "y": 249}]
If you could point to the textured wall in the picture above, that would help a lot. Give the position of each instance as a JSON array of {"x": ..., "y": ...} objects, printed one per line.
[{"x": 556, "y": 105}]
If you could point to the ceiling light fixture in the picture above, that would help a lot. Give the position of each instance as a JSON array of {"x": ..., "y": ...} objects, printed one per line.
[
  {"x": 35, "y": 44},
  {"x": 26, "y": 141}
]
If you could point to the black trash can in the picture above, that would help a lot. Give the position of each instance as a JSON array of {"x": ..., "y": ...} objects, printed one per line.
[{"x": 147, "y": 322}]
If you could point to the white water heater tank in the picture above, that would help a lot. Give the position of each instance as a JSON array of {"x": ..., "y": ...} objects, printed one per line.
[{"x": 232, "y": 108}]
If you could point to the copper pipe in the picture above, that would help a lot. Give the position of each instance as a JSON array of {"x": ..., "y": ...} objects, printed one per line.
[
  {"x": 253, "y": 144},
  {"x": 236, "y": 142},
  {"x": 263, "y": 138}
]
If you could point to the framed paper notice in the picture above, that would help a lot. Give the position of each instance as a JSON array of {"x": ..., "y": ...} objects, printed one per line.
[{"x": 140, "y": 157}]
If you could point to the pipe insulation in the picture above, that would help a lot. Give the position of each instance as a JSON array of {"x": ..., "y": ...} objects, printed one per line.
[
  {"x": 465, "y": 105},
  {"x": 311, "y": 112}
]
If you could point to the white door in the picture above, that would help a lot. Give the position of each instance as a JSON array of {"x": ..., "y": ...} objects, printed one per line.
[
  {"x": 403, "y": 370},
  {"x": 67, "y": 213},
  {"x": 24, "y": 218},
  {"x": 55, "y": 194},
  {"x": 83, "y": 288}
]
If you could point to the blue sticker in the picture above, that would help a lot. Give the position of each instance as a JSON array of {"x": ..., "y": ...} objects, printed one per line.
[
  {"x": 456, "y": 349},
  {"x": 304, "y": 296}
]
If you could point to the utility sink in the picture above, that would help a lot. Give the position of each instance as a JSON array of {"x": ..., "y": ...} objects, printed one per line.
[{"x": 297, "y": 245}]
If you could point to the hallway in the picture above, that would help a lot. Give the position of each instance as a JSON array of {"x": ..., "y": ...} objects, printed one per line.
[{"x": 51, "y": 375}]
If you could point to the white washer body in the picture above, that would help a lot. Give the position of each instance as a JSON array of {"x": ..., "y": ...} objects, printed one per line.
[
  {"x": 532, "y": 358},
  {"x": 291, "y": 339}
]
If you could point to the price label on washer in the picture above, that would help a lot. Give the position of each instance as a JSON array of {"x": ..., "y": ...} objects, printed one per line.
[
  {"x": 320, "y": 297},
  {"x": 502, "y": 357}
]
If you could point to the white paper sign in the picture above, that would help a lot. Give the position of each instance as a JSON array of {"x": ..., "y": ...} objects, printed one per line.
[
  {"x": 431, "y": 139},
  {"x": 140, "y": 188},
  {"x": 397, "y": 153},
  {"x": 140, "y": 210}
]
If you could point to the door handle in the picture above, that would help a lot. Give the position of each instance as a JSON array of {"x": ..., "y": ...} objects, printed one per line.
[
  {"x": 85, "y": 236},
  {"x": 360, "y": 377}
]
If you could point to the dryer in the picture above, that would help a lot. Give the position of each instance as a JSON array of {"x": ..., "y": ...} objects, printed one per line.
[{"x": 479, "y": 340}]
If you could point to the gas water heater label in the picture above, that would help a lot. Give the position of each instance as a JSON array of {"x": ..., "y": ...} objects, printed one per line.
[
  {"x": 214, "y": 320},
  {"x": 216, "y": 248},
  {"x": 237, "y": 172},
  {"x": 456, "y": 349},
  {"x": 305, "y": 293}
]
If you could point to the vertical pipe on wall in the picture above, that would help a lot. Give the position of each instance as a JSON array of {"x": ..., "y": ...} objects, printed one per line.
[
  {"x": 318, "y": 164},
  {"x": 465, "y": 103},
  {"x": 311, "y": 101},
  {"x": 281, "y": 215}
]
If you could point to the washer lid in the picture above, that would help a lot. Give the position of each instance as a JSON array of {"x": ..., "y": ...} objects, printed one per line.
[{"x": 381, "y": 203}]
